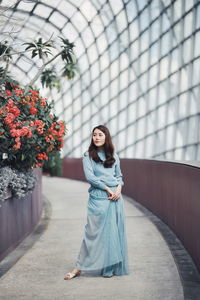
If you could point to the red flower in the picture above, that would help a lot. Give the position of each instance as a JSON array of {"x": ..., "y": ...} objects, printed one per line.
[
  {"x": 19, "y": 92},
  {"x": 38, "y": 165},
  {"x": 39, "y": 123},
  {"x": 49, "y": 138},
  {"x": 43, "y": 102},
  {"x": 31, "y": 123},
  {"x": 15, "y": 132},
  {"x": 35, "y": 93},
  {"x": 33, "y": 111},
  {"x": 40, "y": 130},
  {"x": 15, "y": 111},
  {"x": 8, "y": 93},
  {"x": 10, "y": 103},
  {"x": 18, "y": 144},
  {"x": 42, "y": 156},
  {"x": 9, "y": 119},
  {"x": 24, "y": 131}
]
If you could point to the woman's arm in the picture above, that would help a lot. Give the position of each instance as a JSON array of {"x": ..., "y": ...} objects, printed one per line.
[
  {"x": 89, "y": 174},
  {"x": 118, "y": 173}
]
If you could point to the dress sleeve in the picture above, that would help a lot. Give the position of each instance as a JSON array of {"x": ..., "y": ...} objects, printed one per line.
[
  {"x": 89, "y": 174},
  {"x": 118, "y": 173}
]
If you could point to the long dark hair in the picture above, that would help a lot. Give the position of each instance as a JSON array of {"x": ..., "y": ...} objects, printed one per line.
[{"x": 108, "y": 148}]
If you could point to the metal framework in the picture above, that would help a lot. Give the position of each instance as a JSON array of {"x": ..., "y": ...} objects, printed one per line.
[{"x": 139, "y": 65}]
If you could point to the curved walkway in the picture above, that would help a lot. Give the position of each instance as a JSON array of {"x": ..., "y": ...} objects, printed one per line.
[{"x": 38, "y": 274}]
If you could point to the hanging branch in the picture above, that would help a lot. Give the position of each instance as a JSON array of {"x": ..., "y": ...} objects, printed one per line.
[
  {"x": 40, "y": 49},
  {"x": 5, "y": 48},
  {"x": 41, "y": 70},
  {"x": 43, "y": 49}
]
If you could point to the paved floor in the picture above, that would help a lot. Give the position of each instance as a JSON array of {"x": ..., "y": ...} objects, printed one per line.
[{"x": 39, "y": 273}]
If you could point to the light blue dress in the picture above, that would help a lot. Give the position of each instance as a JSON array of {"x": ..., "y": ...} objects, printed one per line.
[{"x": 104, "y": 245}]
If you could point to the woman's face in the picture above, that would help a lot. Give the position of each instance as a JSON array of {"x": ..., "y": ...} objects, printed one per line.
[{"x": 98, "y": 138}]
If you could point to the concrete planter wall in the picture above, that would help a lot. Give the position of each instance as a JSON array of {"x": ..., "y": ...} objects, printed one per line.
[{"x": 18, "y": 217}]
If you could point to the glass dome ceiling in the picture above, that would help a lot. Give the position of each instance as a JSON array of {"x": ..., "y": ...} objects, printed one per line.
[{"x": 138, "y": 70}]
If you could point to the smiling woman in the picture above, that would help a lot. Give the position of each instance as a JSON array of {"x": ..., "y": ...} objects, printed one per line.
[
  {"x": 99, "y": 139},
  {"x": 104, "y": 245}
]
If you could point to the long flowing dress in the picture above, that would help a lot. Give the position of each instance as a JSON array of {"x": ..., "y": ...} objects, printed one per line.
[{"x": 104, "y": 245}]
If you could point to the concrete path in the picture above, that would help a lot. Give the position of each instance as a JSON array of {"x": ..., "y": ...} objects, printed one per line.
[{"x": 39, "y": 273}]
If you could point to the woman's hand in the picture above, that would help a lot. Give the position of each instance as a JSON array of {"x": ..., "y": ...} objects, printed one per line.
[
  {"x": 110, "y": 193},
  {"x": 113, "y": 195},
  {"x": 118, "y": 191}
]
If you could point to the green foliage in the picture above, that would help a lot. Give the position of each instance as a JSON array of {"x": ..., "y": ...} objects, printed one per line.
[
  {"x": 69, "y": 59},
  {"x": 69, "y": 70},
  {"x": 53, "y": 165},
  {"x": 1, "y": 71},
  {"x": 49, "y": 79},
  {"x": 67, "y": 53},
  {"x": 40, "y": 48},
  {"x": 5, "y": 49}
]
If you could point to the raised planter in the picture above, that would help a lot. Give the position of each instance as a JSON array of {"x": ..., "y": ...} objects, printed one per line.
[{"x": 19, "y": 216}]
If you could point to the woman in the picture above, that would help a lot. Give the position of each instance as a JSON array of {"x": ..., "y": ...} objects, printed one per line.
[{"x": 104, "y": 246}]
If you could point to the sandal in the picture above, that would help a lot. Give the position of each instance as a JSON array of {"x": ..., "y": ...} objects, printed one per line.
[
  {"x": 108, "y": 276},
  {"x": 71, "y": 275}
]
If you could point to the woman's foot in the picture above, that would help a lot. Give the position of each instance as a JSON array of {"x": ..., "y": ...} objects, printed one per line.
[
  {"x": 72, "y": 274},
  {"x": 108, "y": 276},
  {"x": 108, "y": 271}
]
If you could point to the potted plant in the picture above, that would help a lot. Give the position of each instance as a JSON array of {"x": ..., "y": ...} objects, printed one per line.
[{"x": 29, "y": 132}]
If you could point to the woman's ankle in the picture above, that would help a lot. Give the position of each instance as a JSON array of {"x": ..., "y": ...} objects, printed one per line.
[{"x": 76, "y": 270}]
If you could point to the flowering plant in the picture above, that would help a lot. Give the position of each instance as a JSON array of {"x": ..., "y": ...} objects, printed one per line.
[
  {"x": 28, "y": 129},
  {"x": 19, "y": 183}
]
